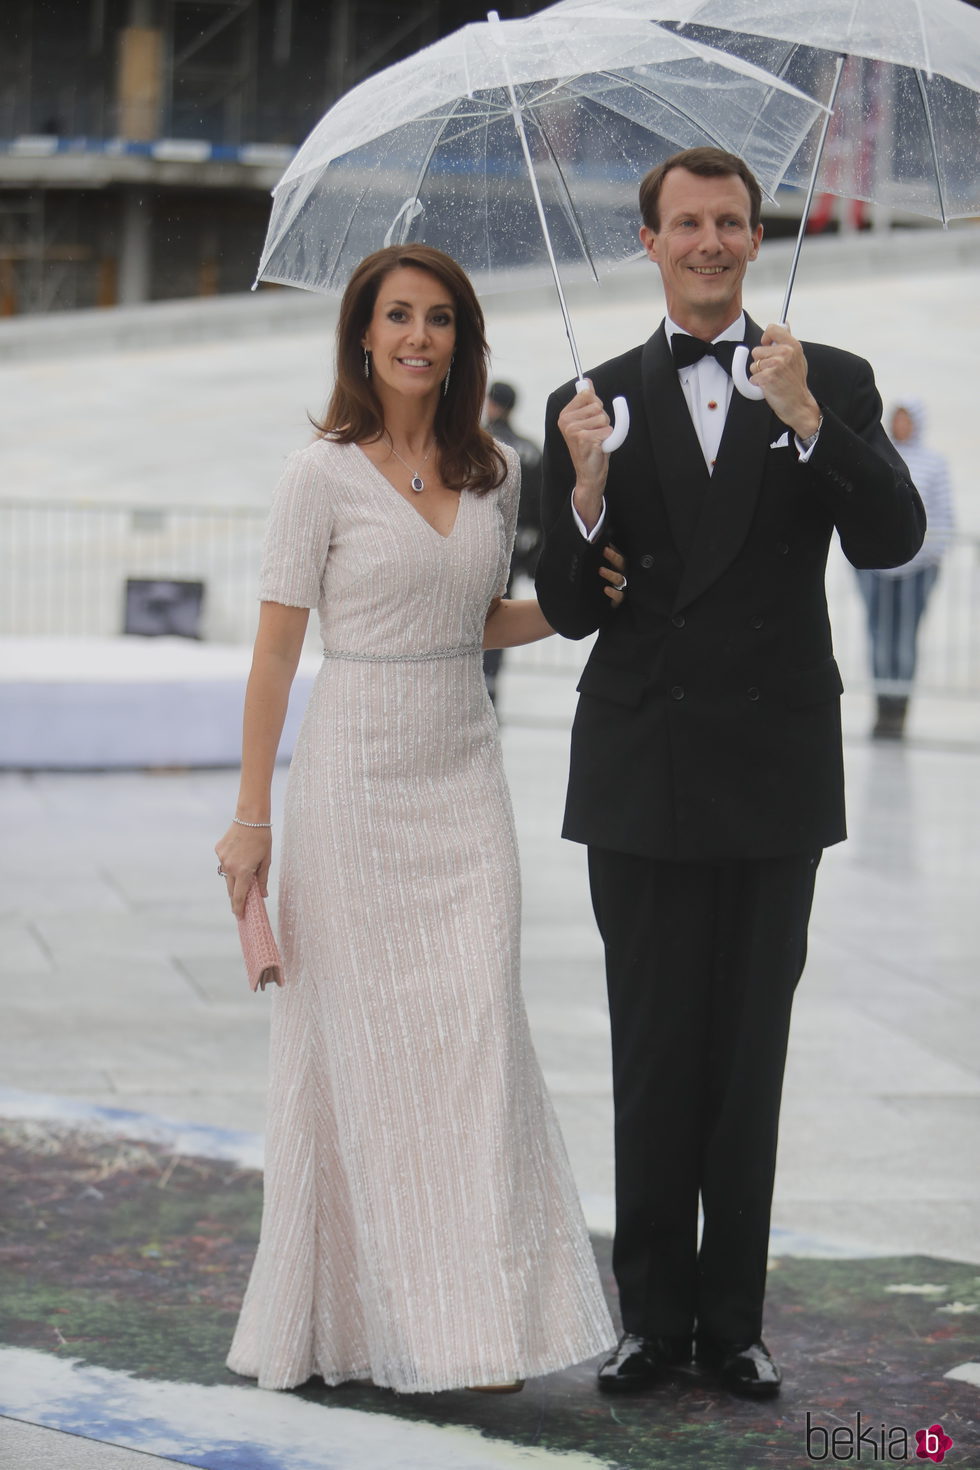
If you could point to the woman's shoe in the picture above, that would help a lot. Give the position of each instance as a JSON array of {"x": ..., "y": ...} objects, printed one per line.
[{"x": 514, "y": 1387}]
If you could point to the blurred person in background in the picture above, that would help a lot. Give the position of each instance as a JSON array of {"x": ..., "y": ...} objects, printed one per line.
[
  {"x": 500, "y": 402},
  {"x": 421, "y": 1228},
  {"x": 896, "y": 597}
]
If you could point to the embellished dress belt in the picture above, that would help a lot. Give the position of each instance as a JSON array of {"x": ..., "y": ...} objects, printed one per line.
[{"x": 404, "y": 658}]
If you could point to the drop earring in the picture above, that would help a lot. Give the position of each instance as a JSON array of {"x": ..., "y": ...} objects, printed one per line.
[
  {"x": 445, "y": 381},
  {"x": 367, "y": 363}
]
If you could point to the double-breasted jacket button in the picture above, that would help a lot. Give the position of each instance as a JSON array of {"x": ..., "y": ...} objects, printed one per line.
[
  {"x": 757, "y": 622},
  {"x": 646, "y": 561},
  {"x": 781, "y": 548},
  {"x": 678, "y": 619},
  {"x": 752, "y": 693},
  {"x": 677, "y": 692}
]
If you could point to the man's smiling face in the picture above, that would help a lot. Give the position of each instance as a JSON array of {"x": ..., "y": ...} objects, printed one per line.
[{"x": 703, "y": 245}]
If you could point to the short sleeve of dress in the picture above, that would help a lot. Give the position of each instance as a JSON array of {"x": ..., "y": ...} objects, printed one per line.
[
  {"x": 510, "y": 495},
  {"x": 297, "y": 535}
]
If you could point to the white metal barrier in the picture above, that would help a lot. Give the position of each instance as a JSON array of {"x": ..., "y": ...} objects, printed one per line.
[{"x": 64, "y": 569}]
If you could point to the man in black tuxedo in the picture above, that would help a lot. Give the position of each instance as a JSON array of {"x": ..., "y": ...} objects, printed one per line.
[{"x": 706, "y": 767}]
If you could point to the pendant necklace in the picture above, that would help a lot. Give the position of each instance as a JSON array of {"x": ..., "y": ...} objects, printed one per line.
[{"x": 418, "y": 484}]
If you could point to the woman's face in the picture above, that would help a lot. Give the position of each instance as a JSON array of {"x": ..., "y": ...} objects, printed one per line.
[{"x": 411, "y": 335}]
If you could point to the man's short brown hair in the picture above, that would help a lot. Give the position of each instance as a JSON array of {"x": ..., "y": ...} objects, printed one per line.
[{"x": 709, "y": 163}]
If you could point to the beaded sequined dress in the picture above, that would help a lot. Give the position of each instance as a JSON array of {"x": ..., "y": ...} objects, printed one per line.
[{"x": 421, "y": 1227}]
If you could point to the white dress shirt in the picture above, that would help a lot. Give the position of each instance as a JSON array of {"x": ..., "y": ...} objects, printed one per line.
[{"x": 707, "y": 390}]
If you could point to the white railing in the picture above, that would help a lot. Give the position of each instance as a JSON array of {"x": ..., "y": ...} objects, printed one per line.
[{"x": 64, "y": 569}]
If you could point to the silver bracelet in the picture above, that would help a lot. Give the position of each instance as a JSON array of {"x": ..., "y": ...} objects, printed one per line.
[{"x": 250, "y": 824}]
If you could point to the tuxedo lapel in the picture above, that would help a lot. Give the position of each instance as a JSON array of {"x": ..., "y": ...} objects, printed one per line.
[
  {"x": 729, "y": 502},
  {"x": 680, "y": 465}
]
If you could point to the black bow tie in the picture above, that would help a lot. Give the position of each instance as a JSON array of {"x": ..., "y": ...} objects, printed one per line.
[{"x": 687, "y": 350}]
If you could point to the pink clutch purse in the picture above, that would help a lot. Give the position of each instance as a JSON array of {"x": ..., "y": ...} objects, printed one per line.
[{"x": 263, "y": 964}]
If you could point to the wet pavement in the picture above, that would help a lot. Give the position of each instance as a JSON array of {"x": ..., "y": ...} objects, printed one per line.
[{"x": 121, "y": 986}]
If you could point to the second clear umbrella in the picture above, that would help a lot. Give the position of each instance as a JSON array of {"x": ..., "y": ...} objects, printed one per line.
[{"x": 902, "y": 78}]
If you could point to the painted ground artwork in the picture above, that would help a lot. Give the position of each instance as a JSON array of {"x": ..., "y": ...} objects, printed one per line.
[{"x": 124, "y": 1251}]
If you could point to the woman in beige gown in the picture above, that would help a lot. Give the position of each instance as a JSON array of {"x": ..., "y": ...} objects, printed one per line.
[{"x": 421, "y": 1227}]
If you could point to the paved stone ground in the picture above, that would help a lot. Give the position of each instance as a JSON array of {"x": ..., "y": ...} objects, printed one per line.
[
  {"x": 121, "y": 985},
  {"x": 121, "y": 980}
]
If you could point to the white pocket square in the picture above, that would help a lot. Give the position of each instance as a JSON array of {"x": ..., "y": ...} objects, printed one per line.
[{"x": 782, "y": 442}]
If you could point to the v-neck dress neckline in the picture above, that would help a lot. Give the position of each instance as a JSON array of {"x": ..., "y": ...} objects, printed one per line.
[{"x": 413, "y": 509}]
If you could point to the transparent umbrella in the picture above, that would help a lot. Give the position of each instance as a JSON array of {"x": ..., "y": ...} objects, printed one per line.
[
  {"x": 511, "y": 143},
  {"x": 902, "y": 78}
]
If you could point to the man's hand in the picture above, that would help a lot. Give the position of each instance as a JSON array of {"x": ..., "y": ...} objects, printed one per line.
[
  {"x": 584, "y": 424},
  {"x": 779, "y": 369}
]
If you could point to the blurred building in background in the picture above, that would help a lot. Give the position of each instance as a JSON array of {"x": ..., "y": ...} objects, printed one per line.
[{"x": 139, "y": 139}]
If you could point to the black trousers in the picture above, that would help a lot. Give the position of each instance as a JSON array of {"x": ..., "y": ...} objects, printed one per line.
[{"x": 702, "y": 960}]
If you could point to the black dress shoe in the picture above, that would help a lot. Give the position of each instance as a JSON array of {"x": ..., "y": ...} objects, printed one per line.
[
  {"x": 745, "y": 1369},
  {"x": 639, "y": 1362}
]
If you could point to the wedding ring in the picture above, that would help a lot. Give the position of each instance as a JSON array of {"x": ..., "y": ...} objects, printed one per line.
[{"x": 622, "y": 586}]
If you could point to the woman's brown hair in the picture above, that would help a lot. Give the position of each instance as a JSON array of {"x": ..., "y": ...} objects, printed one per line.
[{"x": 469, "y": 458}]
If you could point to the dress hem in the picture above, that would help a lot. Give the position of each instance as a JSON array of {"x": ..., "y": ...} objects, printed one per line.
[{"x": 539, "y": 1367}]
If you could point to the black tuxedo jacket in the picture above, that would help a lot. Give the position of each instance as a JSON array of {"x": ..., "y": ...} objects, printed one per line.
[{"x": 708, "y": 724}]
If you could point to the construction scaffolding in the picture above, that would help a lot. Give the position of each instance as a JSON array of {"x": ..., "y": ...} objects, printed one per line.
[{"x": 139, "y": 139}]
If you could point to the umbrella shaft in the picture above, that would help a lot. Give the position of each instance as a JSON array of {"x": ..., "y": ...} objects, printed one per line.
[
  {"x": 539, "y": 205},
  {"x": 810, "y": 192},
  {"x": 517, "y": 115}
]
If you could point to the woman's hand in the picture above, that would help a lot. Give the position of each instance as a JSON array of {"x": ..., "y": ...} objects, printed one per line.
[
  {"x": 245, "y": 853},
  {"x": 244, "y": 856},
  {"x": 614, "y": 575}
]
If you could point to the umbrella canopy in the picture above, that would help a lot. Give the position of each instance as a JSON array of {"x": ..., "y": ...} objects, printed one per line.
[
  {"x": 908, "y": 104},
  {"x": 428, "y": 149},
  {"x": 902, "y": 77}
]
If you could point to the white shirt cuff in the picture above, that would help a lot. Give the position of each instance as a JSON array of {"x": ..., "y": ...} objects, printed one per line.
[
  {"x": 589, "y": 535},
  {"x": 804, "y": 451}
]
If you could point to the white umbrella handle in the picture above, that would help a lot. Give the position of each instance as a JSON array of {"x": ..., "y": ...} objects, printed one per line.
[
  {"x": 740, "y": 375},
  {"x": 621, "y": 419}
]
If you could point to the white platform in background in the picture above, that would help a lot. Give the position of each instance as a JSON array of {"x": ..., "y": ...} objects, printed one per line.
[{"x": 103, "y": 703}]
